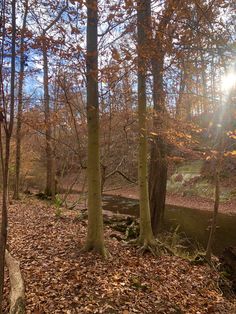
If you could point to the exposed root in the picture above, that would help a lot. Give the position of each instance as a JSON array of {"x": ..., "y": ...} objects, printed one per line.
[
  {"x": 17, "y": 294},
  {"x": 148, "y": 249},
  {"x": 146, "y": 246},
  {"x": 201, "y": 259},
  {"x": 164, "y": 248},
  {"x": 153, "y": 246},
  {"x": 134, "y": 242},
  {"x": 101, "y": 250}
]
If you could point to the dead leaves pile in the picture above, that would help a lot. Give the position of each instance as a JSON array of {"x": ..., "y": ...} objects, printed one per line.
[{"x": 60, "y": 279}]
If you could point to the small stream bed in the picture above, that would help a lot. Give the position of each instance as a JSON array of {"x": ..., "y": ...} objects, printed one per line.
[{"x": 192, "y": 222}]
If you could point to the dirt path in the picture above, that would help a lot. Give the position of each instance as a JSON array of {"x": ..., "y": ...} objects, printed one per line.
[
  {"x": 178, "y": 200},
  {"x": 60, "y": 279}
]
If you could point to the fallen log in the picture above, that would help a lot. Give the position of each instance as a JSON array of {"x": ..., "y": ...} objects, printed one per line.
[{"x": 17, "y": 293}]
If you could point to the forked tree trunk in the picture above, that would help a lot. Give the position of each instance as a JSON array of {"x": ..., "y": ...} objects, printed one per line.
[
  {"x": 95, "y": 236},
  {"x": 146, "y": 237},
  {"x": 20, "y": 106}
]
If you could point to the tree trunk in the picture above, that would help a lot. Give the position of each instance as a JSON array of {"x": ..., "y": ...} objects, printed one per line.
[
  {"x": 220, "y": 142},
  {"x": 49, "y": 190},
  {"x": 20, "y": 107},
  {"x": 146, "y": 237},
  {"x": 5, "y": 156},
  {"x": 180, "y": 100},
  {"x": 50, "y": 176},
  {"x": 205, "y": 103},
  {"x": 215, "y": 215},
  {"x": 95, "y": 236},
  {"x": 157, "y": 183},
  {"x": 4, "y": 222},
  {"x": 158, "y": 159},
  {"x": 103, "y": 177}
]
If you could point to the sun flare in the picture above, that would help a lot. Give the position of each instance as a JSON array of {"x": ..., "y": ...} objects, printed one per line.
[{"x": 228, "y": 81}]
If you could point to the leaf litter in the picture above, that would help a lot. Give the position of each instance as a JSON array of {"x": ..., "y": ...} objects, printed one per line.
[{"x": 60, "y": 279}]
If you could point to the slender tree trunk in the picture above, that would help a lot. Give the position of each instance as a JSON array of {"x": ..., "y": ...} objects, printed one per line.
[
  {"x": 4, "y": 218},
  {"x": 188, "y": 103},
  {"x": 5, "y": 156},
  {"x": 103, "y": 176},
  {"x": 49, "y": 190},
  {"x": 219, "y": 161},
  {"x": 50, "y": 176},
  {"x": 205, "y": 104},
  {"x": 20, "y": 107},
  {"x": 95, "y": 236},
  {"x": 215, "y": 215},
  {"x": 180, "y": 102},
  {"x": 213, "y": 84}
]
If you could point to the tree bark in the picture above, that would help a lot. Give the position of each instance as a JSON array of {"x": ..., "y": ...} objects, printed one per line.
[
  {"x": 158, "y": 158},
  {"x": 50, "y": 176},
  {"x": 146, "y": 237},
  {"x": 95, "y": 236},
  {"x": 215, "y": 215},
  {"x": 49, "y": 190},
  {"x": 5, "y": 156},
  {"x": 17, "y": 294},
  {"x": 16, "y": 195},
  {"x": 205, "y": 104},
  {"x": 220, "y": 143},
  {"x": 180, "y": 110}
]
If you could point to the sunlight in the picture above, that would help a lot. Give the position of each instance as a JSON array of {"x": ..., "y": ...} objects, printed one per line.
[{"x": 228, "y": 81}]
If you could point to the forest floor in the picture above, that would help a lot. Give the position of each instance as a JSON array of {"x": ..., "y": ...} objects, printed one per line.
[
  {"x": 61, "y": 279},
  {"x": 202, "y": 203}
]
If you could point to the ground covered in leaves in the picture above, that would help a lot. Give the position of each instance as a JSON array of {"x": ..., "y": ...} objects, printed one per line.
[{"x": 60, "y": 279}]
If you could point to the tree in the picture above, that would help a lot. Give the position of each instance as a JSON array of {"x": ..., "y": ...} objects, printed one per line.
[
  {"x": 95, "y": 236},
  {"x": 44, "y": 44},
  {"x": 50, "y": 178},
  {"x": 158, "y": 160},
  {"x": 20, "y": 103},
  {"x": 7, "y": 120},
  {"x": 222, "y": 129},
  {"x": 146, "y": 238}
]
